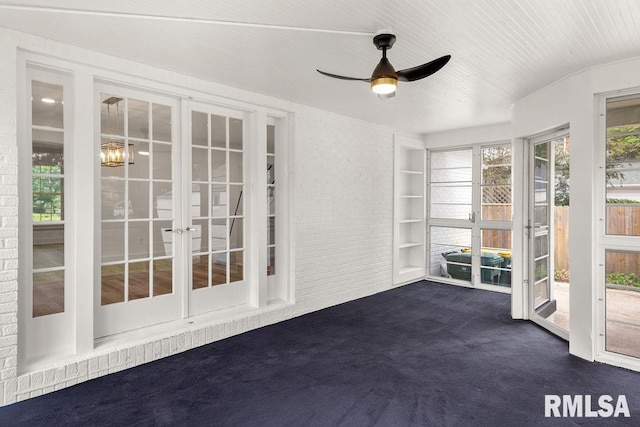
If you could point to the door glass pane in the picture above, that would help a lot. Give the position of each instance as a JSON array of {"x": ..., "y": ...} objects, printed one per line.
[
  {"x": 112, "y": 284},
  {"x": 140, "y": 169},
  {"x": 218, "y": 166},
  {"x": 162, "y": 277},
  {"x": 271, "y": 231},
  {"x": 138, "y": 112},
  {"x": 138, "y": 280},
  {"x": 112, "y": 195},
  {"x": 235, "y": 167},
  {"x": 48, "y": 246},
  {"x": 139, "y": 196},
  {"x": 162, "y": 200},
  {"x": 218, "y": 269},
  {"x": 218, "y": 234},
  {"x": 161, "y": 161},
  {"x": 541, "y": 245},
  {"x": 496, "y": 183},
  {"x": 622, "y": 299},
  {"x": 218, "y": 131},
  {"x": 138, "y": 236},
  {"x": 48, "y": 293},
  {"x": 199, "y": 129},
  {"x": 451, "y": 184},
  {"x": 236, "y": 266},
  {"x": 200, "y": 239},
  {"x": 162, "y": 239},
  {"x": 541, "y": 292},
  {"x": 235, "y": 134},
  {"x": 623, "y": 166},
  {"x": 219, "y": 200},
  {"x": 271, "y": 200},
  {"x": 47, "y": 151},
  {"x": 450, "y": 252},
  {"x": 161, "y": 122},
  {"x": 271, "y": 184},
  {"x": 113, "y": 239},
  {"x": 236, "y": 233},
  {"x": 495, "y": 267},
  {"x": 199, "y": 164},
  {"x": 200, "y": 271},
  {"x": 111, "y": 115},
  {"x": 271, "y": 139},
  {"x": 271, "y": 261},
  {"x": 46, "y": 105},
  {"x": 236, "y": 199}
]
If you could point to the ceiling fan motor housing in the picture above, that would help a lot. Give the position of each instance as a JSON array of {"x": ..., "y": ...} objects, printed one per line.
[{"x": 384, "y": 41}]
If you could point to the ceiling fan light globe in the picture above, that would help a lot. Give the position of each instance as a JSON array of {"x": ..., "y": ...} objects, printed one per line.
[{"x": 384, "y": 85}]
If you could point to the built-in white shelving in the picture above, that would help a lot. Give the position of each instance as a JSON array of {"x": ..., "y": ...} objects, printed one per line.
[{"x": 409, "y": 210}]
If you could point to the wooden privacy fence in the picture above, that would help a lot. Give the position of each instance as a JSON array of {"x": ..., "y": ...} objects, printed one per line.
[{"x": 621, "y": 220}]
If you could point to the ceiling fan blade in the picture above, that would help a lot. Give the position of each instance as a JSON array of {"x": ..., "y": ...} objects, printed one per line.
[
  {"x": 422, "y": 71},
  {"x": 335, "y": 76}
]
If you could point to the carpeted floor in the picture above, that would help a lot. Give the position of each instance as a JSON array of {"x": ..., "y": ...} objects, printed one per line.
[{"x": 424, "y": 354}]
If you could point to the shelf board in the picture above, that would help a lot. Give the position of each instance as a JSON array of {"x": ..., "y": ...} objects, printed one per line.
[
  {"x": 409, "y": 245},
  {"x": 409, "y": 269},
  {"x": 411, "y": 172}
]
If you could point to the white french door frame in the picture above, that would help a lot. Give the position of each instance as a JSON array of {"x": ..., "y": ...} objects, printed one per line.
[
  {"x": 474, "y": 222},
  {"x": 51, "y": 332},
  {"x": 123, "y": 316},
  {"x": 529, "y": 239},
  {"x": 199, "y": 301},
  {"x": 84, "y": 196}
]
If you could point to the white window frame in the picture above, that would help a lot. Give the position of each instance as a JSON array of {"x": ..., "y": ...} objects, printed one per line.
[{"x": 607, "y": 241}]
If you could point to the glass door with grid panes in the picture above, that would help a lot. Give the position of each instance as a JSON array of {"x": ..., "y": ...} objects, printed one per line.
[
  {"x": 139, "y": 211},
  {"x": 547, "y": 229},
  {"x": 469, "y": 214},
  {"x": 216, "y": 212},
  {"x": 46, "y": 284}
]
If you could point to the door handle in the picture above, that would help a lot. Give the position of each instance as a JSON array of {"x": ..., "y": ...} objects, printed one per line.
[
  {"x": 175, "y": 230},
  {"x": 472, "y": 217}
]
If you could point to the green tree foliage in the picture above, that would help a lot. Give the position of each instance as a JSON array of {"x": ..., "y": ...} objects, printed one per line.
[
  {"x": 562, "y": 175},
  {"x": 46, "y": 185}
]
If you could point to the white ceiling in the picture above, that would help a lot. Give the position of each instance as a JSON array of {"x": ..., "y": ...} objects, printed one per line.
[{"x": 502, "y": 50}]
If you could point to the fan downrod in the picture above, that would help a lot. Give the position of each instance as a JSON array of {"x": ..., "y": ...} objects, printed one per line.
[{"x": 384, "y": 41}]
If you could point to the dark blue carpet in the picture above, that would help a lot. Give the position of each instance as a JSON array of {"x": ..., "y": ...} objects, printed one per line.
[{"x": 423, "y": 354}]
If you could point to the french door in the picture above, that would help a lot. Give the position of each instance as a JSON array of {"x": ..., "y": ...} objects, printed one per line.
[
  {"x": 172, "y": 226},
  {"x": 469, "y": 214},
  {"x": 548, "y": 299},
  {"x": 216, "y": 165},
  {"x": 541, "y": 261}
]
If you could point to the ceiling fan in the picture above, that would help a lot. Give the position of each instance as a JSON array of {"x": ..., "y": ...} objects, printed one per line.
[{"x": 385, "y": 78}]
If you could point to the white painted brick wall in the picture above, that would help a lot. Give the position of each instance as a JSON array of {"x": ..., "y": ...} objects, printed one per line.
[
  {"x": 342, "y": 223},
  {"x": 9, "y": 385}
]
